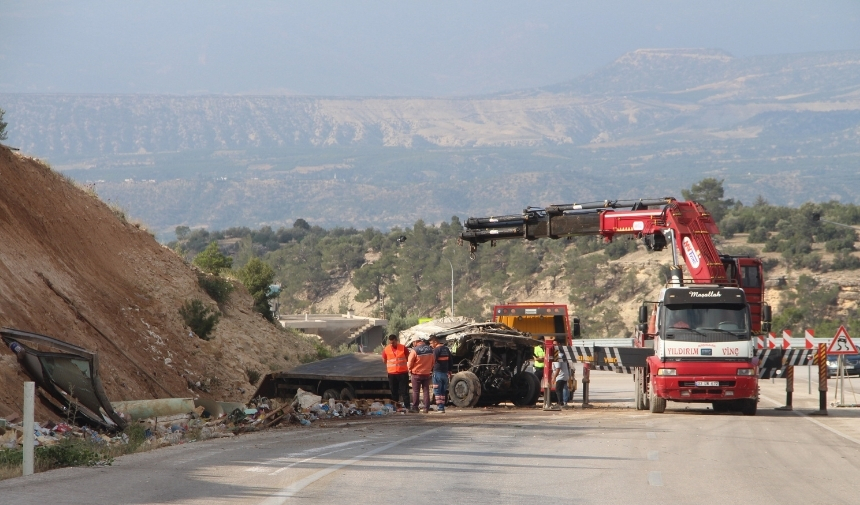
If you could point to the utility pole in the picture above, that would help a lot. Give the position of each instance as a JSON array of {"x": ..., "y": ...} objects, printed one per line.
[{"x": 452, "y": 286}]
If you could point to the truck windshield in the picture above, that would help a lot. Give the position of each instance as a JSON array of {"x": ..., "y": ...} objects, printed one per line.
[{"x": 692, "y": 320}]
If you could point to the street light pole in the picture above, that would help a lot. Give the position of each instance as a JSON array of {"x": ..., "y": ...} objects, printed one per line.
[{"x": 452, "y": 286}]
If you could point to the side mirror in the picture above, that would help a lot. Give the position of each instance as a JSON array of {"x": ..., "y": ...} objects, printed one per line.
[
  {"x": 766, "y": 317},
  {"x": 643, "y": 314},
  {"x": 577, "y": 328}
]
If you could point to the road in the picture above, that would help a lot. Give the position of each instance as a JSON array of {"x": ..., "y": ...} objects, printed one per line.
[{"x": 609, "y": 454}]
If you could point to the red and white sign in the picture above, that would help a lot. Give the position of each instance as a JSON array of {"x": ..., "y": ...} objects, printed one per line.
[
  {"x": 690, "y": 252},
  {"x": 759, "y": 342},
  {"x": 809, "y": 336},
  {"x": 771, "y": 341},
  {"x": 786, "y": 339},
  {"x": 841, "y": 343}
]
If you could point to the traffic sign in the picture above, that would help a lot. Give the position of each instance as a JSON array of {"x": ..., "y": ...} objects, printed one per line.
[
  {"x": 809, "y": 335},
  {"x": 771, "y": 341},
  {"x": 842, "y": 343},
  {"x": 786, "y": 339}
]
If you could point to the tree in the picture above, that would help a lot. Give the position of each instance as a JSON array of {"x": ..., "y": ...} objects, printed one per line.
[
  {"x": 257, "y": 277},
  {"x": 2, "y": 125},
  {"x": 709, "y": 192},
  {"x": 199, "y": 318},
  {"x": 212, "y": 260}
]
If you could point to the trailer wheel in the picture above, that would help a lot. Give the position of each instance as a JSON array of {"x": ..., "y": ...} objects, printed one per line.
[
  {"x": 347, "y": 395},
  {"x": 465, "y": 389},
  {"x": 658, "y": 405},
  {"x": 526, "y": 389},
  {"x": 330, "y": 393},
  {"x": 749, "y": 406}
]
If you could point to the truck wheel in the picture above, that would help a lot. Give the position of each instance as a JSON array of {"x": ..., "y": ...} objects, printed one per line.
[
  {"x": 347, "y": 395},
  {"x": 749, "y": 406},
  {"x": 330, "y": 393},
  {"x": 465, "y": 389},
  {"x": 526, "y": 389},
  {"x": 658, "y": 405},
  {"x": 721, "y": 406}
]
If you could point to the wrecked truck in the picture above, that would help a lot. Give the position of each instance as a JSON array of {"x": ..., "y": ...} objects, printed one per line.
[
  {"x": 490, "y": 361},
  {"x": 489, "y": 367}
]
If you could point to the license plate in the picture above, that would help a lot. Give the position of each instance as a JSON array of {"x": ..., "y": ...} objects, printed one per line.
[{"x": 707, "y": 384}]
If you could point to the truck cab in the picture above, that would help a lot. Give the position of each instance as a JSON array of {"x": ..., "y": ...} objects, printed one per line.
[{"x": 703, "y": 348}]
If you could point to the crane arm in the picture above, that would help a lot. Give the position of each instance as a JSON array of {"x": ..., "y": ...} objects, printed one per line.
[{"x": 687, "y": 226}]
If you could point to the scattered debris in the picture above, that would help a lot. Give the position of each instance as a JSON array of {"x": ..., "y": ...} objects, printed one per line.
[
  {"x": 68, "y": 380},
  {"x": 198, "y": 424}
]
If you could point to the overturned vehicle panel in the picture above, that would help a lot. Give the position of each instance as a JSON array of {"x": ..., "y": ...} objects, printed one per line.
[
  {"x": 67, "y": 376},
  {"x": 490, "y": 361}
]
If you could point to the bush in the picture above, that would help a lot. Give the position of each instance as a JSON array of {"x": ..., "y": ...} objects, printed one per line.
[
  {"x": 257, "y": 277},
  {"x": 212, "y": 260},
  {"x": 769, "y": 264},
  {"x": 70, "y": 452},
  {"x": 2, "y": 125},
  {"x": 758, "y": 236},
  {"x": 619, "y": 247},
  {"x": 218, "y": 288},
  {"x": 839, "y": 244},
  {"x": 845, "y": 261},
  {"x": 200, "y": 318},
  {"x": 253, "y": 375}
]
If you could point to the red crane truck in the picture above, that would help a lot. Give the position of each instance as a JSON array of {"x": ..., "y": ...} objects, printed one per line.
[{"x": 698, "y": 336}]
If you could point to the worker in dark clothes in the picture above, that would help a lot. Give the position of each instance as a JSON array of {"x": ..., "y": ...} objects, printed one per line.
[
  {"x": 394, "y": 355},
  {"x": 441, "y": 372}
]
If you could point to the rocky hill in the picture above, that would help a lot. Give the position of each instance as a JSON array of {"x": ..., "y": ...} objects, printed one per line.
[
  {"x": 655, "y": 120},
  {"x": 73, "y": 268}
]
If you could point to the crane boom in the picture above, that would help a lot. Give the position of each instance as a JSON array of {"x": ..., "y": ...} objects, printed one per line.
[{"x": 687, "y": 226}]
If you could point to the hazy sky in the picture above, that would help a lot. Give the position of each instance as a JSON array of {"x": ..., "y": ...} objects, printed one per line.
[{"x": 380, "y": 48}]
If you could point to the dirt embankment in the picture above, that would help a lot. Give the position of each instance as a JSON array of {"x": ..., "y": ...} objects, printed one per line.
[{"x": 73, "y": 269}]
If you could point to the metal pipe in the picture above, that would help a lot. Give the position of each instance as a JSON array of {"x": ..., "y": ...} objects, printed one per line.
[
  {"x": 452, "y": 286},
  {"x": 29, "y": 440}
]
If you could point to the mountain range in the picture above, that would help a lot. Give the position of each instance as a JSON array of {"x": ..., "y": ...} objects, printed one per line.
[{"x": 786, "y": 127}]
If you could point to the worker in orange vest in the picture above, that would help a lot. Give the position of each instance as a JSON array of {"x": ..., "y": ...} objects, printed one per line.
[{"x": 394, "y": 355}]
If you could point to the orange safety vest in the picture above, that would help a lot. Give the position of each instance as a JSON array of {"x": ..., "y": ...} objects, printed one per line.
[{"x": 395, "y": 359}]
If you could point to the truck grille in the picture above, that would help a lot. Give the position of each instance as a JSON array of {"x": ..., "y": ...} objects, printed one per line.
[{"x": 692, "y": 384}]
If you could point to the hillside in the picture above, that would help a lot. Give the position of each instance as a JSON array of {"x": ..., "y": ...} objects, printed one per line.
[
  {"x": 73, "y": 268},
  {"x": 784, "y": 127}
]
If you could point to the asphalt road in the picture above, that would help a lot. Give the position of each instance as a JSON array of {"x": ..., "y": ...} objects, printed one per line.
[{"x": 609, "y": 454}]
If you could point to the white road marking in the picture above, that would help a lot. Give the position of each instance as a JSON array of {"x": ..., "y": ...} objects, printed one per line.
[
  {"x": 279, "y": 470},
  {"x": 290, "y": 491},
  {"x": 266, "y": 466},
  {"x": 655, "y": 479},
  {"x": 653, "y": 455},
  {"x": 815, "y": 421},
  {"x": 651, "y": 434}
]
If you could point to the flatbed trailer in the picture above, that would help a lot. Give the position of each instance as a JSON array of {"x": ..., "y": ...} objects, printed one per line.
[{"x": 344, "y": 377}]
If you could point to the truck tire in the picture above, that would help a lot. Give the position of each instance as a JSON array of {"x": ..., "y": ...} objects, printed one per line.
[
  {"x": 347, "y": 395},
  {"x": 658, "y": 405},
  {"x": 465, "y": 389},
  {"x": 330, "y": 393},
  {"x": 749, "y": 406},
  {"x": 526, "y": 389}
]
